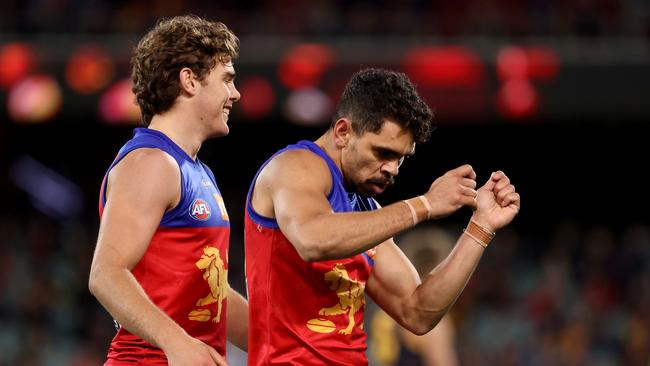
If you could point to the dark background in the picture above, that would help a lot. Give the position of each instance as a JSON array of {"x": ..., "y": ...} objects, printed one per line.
[{"x": 588, "y": 171}]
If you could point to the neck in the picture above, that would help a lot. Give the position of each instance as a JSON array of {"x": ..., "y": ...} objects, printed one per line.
[
  {"x": 327, "y": 143},
  {"x": 175, "y": 127}
]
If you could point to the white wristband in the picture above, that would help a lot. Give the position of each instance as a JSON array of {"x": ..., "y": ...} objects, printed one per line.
[{"x": 413, "y": 213}]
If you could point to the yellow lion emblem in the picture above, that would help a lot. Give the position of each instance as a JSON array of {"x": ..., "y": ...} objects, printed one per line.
[
  {"x": 351, "y": 298},
  {"x": 216, "y": 274}
]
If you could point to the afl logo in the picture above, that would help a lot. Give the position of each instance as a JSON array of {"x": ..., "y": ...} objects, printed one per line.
[{"x": 200, "y": 210}]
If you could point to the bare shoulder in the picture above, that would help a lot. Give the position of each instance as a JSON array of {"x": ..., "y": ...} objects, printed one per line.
[
  {"x": 145, "y": 163},
  {"x": 146, "y": 172},
  {"x": 296, "y": 167}
]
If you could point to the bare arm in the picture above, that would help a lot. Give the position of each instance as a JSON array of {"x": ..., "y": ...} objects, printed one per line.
[
  {"x": 394, "y": 284},
  {"x": 136, "y": 201},
  {"x": 296, "y": 183},
  {"x": 396, "y": 288},
  {"x": 438, "y": 347},
  {"x": 237, "y": 320}
]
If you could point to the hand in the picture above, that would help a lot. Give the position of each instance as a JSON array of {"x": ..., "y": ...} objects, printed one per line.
[
  {"x": 193, "y": 352},
  {"x": 497, "y": 202},
  {"x": 453, "y": 190}
]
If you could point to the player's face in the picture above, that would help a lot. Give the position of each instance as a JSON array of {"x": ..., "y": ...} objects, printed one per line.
[
  {"x": 371, "y": 161},
  {"x": 218, "y": 94}
]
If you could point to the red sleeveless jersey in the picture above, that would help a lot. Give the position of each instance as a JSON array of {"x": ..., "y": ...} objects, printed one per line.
[
  {"x": 303, "y": 313},
  {"x": 185, "y": 268}
]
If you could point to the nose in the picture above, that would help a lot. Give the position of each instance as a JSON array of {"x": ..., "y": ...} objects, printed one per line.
[
  {"x": 391, "y": 167},
  {"x": 234, "y": 93}
]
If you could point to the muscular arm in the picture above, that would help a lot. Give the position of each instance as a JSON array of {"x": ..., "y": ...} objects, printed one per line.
[
  {"x": 237, "y": 320},
  {"x": 136, "y": 201},
  {"x": 295, "y": 185},
  {"x": 144, "y": 185},
  {"x": 394, "y": 284}
]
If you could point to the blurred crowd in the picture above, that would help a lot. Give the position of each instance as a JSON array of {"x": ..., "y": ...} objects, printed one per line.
[
  {"x": 48, "y": 316},
  {"x": 502, "y": 18},
  {"x": 571, "y": 295}
]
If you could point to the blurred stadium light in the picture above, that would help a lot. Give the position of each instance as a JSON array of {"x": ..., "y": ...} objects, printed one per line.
[
  {"x": 309, "y": 107},
  {"x": 89, "y": 69},
  {"x": 35, "y": 99},
  {"x": 570, "y": 76},
  {"x": 258, "y": 97},
  {"x": 304, "y": 65},
  {"x": 16, "y": 61},
  {"x": 117, "y": 104},
  {"x": 445, "y": 67}
]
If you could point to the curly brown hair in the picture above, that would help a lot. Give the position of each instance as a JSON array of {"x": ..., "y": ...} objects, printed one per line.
[
  {"x": 372, "y": 95},
  {"x": 174, "y": 43}
]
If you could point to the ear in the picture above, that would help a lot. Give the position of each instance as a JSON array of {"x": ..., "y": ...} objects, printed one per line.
[
  {"x": 342, "y": 132},
  {"x": 187, "y": 81}
]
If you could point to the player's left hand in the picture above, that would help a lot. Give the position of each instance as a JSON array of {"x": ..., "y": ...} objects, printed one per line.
[{"x": 497, "y": 202}]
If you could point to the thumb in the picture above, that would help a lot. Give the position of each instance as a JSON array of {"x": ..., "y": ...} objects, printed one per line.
[
  {"x": 491, "y": 183},
  {"x": 216, "y": 357}
]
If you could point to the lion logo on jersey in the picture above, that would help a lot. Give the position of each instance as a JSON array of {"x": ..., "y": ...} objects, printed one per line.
[
  {"x": 216, "y": 274},
  {"x": 351, "y": 298}
]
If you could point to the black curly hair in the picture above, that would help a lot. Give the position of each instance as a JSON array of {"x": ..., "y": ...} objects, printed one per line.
[{"x": 373, "y": 95}]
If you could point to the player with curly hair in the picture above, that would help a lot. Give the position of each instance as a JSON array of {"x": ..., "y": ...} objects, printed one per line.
[
  {"x": 161, "y": 263},
  {"x": 317, "y": 242}
]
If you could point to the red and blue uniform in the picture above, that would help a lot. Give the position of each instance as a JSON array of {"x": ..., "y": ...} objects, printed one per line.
[
  {"x": 185, "y": 268},
  {"x": 304, "y": 313}
]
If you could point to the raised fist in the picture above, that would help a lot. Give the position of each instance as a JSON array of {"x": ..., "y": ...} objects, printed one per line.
[
  {"x": 497, "y": 202},
  {"x": 453, "y": 190}
]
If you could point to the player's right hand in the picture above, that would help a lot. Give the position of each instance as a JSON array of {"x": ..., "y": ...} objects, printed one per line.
[
  {"x": 193, "y": 352},
  {"x": 451, "y": 191}
]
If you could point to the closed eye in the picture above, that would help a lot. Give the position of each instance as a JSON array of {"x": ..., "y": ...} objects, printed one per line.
[{"x": 229, "y": 76}]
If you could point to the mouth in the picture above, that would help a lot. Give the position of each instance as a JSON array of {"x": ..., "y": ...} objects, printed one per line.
[
  {"x": 378, "y": 185},
  {"x": 378, "y": 188},
  {"x": 226, "y": 111}
]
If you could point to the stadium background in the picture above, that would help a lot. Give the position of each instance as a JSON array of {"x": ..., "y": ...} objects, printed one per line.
[{"x": 554, "y": 93}]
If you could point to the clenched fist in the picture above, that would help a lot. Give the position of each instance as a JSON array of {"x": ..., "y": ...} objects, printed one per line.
[
  {"x": 453, "y": 190},
  {"x": 497, "y": 202}
]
